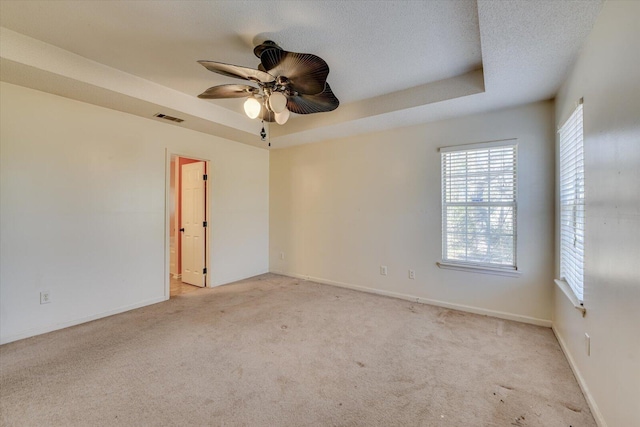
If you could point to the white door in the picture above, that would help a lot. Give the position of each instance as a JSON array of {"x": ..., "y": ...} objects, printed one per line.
[{"x": 193, "y": 226}]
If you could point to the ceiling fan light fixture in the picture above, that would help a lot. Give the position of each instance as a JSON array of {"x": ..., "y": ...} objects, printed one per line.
[
  {"x": 252, "y": 107},
  {"x": 277, "y": 102},
  {"x": 282, "y": 117}
]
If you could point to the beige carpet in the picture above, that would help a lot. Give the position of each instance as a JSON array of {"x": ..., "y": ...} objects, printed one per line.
[{"x": 276, "y": 351}]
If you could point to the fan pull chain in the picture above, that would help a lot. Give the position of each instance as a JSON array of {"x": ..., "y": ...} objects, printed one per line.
[{"x": 263, "y": 134}]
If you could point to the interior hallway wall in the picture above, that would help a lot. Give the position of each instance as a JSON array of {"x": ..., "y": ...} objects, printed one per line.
[
  {"x": 82, "y": 209},
  {"x": 173, "y": 217},
  {"x": 340, "y": 209},
  {"x": 607, "y": 76}
]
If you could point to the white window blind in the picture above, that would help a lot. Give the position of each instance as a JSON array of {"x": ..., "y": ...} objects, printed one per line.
[
  {"x": 479, "y": 205},
  {"x": 572, "y": 202}
]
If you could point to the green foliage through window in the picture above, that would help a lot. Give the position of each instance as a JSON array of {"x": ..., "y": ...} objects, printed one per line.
[{"x": 479, "y": 205}]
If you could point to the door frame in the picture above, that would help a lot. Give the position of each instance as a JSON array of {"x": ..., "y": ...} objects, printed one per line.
[{"x": 169, "y": 154}]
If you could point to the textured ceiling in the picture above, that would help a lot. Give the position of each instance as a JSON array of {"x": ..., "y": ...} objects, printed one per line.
[
  {"x": 372, "y": 48},
  {"x": 392, "y": 63}
]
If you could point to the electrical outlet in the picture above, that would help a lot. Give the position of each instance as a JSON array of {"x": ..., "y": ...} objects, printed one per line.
[
  {"x": 412, "y": 274},
  {"x": 281, "y": 255},
  {"x": 383, "y": 270},
  {"x": 45, "y": 297},
  {"x": 587, "y": 344}
]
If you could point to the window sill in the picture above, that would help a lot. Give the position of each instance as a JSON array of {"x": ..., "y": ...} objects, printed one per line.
[
  {"x": 566, "y": 289},
  {"x": 479, "y": 269}
]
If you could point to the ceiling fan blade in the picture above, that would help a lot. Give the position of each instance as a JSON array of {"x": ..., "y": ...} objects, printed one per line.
[
  {"x": 228, "y": 91},
  {"x": 308, "y": 104},
  {"x": 305, "y": 73},
  {"x": 237, "y": 71},
  {"x": 267, "y": 44}
]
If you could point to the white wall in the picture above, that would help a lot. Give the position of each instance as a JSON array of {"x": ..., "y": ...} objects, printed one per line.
[
  {"x": 82, "y": 209},
  {"x": 339, "y": 209},
  {"x": 607, "y": 75}
]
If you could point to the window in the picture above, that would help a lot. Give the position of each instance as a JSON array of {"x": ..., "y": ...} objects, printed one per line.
[
  {"x": 572, "y": 202},
  {"x": 479, "y": 206}
]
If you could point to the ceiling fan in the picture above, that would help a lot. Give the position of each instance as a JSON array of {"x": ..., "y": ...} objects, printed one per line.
[{"x": 287, "y": 82}]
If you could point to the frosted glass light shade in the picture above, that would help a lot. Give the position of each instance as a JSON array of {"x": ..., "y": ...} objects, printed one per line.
[
  {"x": 277, "y": 102},
  {"x": 252, "y": 107},
  {"x": 281, "y": 118}
]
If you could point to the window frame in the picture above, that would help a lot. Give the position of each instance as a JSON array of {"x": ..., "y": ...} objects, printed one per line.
[
  {"x": 480, "y": 267},
  {"x": 567, "y": 282}
]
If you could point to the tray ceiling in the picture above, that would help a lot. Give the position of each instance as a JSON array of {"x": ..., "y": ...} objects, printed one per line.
[{"x": 392, "y": 63}]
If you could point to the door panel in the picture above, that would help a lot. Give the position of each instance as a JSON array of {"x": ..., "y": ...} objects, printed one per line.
[{"x": 193, "y": 217}]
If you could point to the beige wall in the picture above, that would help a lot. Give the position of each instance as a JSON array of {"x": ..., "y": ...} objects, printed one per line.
[
  {"x": 82, "y": 209},
  {"x": 340, "y": 209},
  {"x": 607, "y": 75}
]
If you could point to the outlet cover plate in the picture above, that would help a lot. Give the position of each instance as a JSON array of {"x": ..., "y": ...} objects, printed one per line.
[
  {"x": 587, "y": 344},
  {"x": 45, "y": 297}
]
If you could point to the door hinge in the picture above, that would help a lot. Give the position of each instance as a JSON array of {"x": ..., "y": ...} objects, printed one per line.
[
  {"x": 204, "y": 270},
  {"x": 204, "y": 177},
  {"x": 204, "y": 223}
]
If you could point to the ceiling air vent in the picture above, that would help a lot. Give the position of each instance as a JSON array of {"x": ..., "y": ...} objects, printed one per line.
[{"x": 164, "y": 116}]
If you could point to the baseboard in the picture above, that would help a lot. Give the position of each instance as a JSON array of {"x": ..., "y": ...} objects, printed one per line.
[
  {"x": 595, "y": 411},
  {"x": 460, "y": 307},
  {"x": 43, "y": 330}
]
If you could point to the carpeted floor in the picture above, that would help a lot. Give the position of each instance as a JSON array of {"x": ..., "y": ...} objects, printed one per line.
[{"x": 277, "y": 351}]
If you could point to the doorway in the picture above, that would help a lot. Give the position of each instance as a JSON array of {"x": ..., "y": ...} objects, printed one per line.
[{"x": 188, "y": 224}]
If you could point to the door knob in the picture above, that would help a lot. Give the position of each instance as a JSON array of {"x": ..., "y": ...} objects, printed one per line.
[{"x": 182, "y": 230}]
